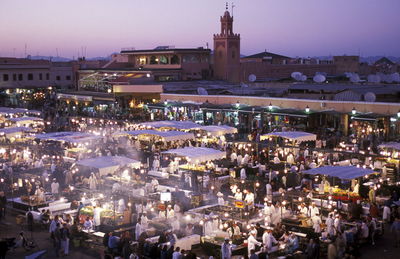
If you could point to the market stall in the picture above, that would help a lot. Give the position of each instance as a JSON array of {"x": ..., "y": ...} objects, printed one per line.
[
  {"x": 297, "y": 136},
  {"x": 69, "y": 136},
  {"x": 162, "y": 135},
  {"x": 341, "y": 172},
  {"x": 217, "y": 131},
  {"x": 14, "y": 132},
  {"x": 197, "y": 154},
  {"x": 179, "y": 125},
  {"x": 108, "y": 164},
  {"x": 26, "y": 121}
]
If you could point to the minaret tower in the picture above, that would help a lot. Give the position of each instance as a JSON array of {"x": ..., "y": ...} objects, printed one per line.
[{"x": 227, "y": 50}]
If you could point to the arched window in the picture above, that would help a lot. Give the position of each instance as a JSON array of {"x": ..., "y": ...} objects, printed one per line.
[
  {"x": 163, "y": 60},
  {"x": 175, "y": 60},
  {"x": 153, "y": 60}
]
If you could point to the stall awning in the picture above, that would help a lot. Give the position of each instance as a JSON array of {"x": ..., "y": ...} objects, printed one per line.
[
  {"x": 165, "y": 135},
  {"x": 181, "y": 125},
  {"x": 390, "y": 145},
  {"x": 197, "y": 154},
  {"x": 108, "y": 164},
  {"x": 25, "y": 120},
  {"x": 342, "y": 172},
  {"x": 298, "y": 136},
  {"x": 69, "y": 136},
  {"x": 13, "y": 131},
  {"x": 219, "y": 130}
]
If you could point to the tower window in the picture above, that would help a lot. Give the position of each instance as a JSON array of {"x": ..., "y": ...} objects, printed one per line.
[
  {"x": 30, "y": 76},
  {"x": 5, "y": 77}
]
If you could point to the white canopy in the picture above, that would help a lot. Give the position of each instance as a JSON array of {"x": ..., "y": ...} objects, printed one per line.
[
  {"x": 342, "y": 172},
  {"x": 219, "y": 130},
  {"x": 197, "y": 154},
  {"x": 13, "y": 131},
  {"x": 165, "y": 135},
  {"x": 181, "y": 125},
  {"x": 9, "y": 111},
  {"x": 69, "y": 136},
  {"x": 390, "y": 145},
  {"x": 108, "y": 164},
  {"x": 298, "y": 136},
  {"x": 25, "y": 120}
]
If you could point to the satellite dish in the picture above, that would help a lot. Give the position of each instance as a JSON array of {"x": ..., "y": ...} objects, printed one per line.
[
  {"x": 202, "y": 91},
  {"x": 369, "y": 97},
  {"x": 303, "y": 78},
  {"x": 252, "y": 78},
  {"x": 319, "y": 78},
  {"x": 355, "y": 78},
  {"x": 348, "y": 74},
  {"x": 296, "y": 76}
]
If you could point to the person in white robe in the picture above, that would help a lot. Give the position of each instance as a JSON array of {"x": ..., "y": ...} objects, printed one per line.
[
  {"x": 238, "y": 195},
  {"x": 170, "y": 212},
  {"x": 313, "y": 210},
  {"x": 316, "y": 220},
  {"x": 268, "y": 240},
  {"x": 221, "y": 200},
  {"x": 138, "y": 230},
  {"x": 251, "y": 243},
  {"x": 329, "y": 225},
  {"x": 121, "y": 206},
  {"x": 96, "y": 216},
  {"x": 55, "y": 187},
  {"x": 92, "y": 182}
]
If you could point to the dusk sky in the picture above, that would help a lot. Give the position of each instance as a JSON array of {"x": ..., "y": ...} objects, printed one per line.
[{"x": 288, "y": 27}]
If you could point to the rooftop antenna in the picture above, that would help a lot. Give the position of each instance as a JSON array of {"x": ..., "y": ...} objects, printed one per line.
[
  {"x": 226, "y": 6},
  {"x": 25, "y": 50},
  {"x": 233, "y": 5},
  {"x": 57, "y": 52},
  {"x": 207, "y": 44}
]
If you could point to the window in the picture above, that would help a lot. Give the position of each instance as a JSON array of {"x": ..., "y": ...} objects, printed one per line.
[
  {"x": 20, "y": 77},
  {"x": 30, "y": 76},
  {"x": 14, "y": 77},
  {"x": 153, "y": 60},
  {"x": 47, "y": 76},
  {"x": 5, "y": 77},
  {"x": 68, "y": 78},
  {"x": 175, "y": 60},
  {"x": 190, "y": 59},
  {"x": 58, "y": 78},
  {"x": 163, "y": 60},
  {"x": 40, "y": 76}
]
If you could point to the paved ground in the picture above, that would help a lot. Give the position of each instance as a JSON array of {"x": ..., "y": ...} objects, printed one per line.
[
  {"x": 9, "y": 228},
  {"x": 384, "y": 248}
]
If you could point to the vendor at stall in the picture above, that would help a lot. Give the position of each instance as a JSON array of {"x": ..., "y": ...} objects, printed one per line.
[
  {"x": 221, "y": 200},
  {"x": 313, "y": 210},
  {"x": 303, "y": 209},
  {"x": 234, "y": 232},
  {"x": 316, "y": 221},
  {"x": 252, "y": 243},
  {"x": 268, "y": 240}
]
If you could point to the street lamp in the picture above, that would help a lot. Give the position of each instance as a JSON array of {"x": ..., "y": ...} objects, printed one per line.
[
  {"x": 398, "y": 114},
  {"x": 270, "y": 106},
  {"x": 307, "y": 109},
  {"x": 353, "y": 111}
]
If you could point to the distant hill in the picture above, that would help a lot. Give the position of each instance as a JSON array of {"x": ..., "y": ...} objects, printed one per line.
[{"x": 62, "y": 59}]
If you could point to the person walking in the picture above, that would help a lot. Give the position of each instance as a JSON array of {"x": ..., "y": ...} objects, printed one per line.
[
  {"x": 65, "y": 236},
  {"x": 56, "y": 235},
  {"x": 226, "y": 250},
  {"x": 396, "y": 229}
]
